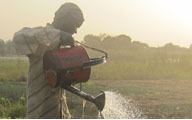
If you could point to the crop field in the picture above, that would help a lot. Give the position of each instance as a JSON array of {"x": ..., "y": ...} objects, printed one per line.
[
  {"x": 13, "y": 68},
  {"x": 155, "y": 98}
]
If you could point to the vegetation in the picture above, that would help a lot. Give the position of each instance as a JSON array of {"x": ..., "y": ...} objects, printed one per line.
[
  {"x": 157, "y": 78},
  {"x": 7, "y": 48},
  {"x": 135, "y": 60},
  {"x": 13, "y": 69},
  {"x": 12, "y": 100},
  {"x": 159, "y": 99},
  {"x": 128, "y": 60}
]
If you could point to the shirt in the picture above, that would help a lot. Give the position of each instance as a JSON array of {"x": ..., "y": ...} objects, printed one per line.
[{"x": 43, "y": 101}]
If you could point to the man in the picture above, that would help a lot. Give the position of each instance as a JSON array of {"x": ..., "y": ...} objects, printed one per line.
[{"x": 43, "y": 101}]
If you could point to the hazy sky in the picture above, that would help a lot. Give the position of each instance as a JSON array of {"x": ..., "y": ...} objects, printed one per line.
[{"x": 155, "y": 22}]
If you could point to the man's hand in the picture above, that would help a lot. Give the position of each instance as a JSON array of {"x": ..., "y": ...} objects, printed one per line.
[{"x": 67, "y": 39}]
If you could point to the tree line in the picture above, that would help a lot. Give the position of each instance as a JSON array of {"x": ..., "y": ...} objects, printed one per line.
[
  {"x": 120, "y": 47},
  {"x": 7, "y": 48},
  {"x": 130, "y": 59}
]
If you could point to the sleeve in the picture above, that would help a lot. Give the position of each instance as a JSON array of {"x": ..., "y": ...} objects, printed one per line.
[
  {"x": 36, "y": 40},
  {"x": 22, "y": 43}
]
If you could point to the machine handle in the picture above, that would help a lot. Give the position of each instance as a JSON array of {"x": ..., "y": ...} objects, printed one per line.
[{"x": 94, "y": 61}]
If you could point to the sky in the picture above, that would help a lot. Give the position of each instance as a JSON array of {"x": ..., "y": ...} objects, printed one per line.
[{"x": 155, "y": 22}]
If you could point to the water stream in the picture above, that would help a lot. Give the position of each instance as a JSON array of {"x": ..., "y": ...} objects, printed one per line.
[{"x": 119, "y": 107}]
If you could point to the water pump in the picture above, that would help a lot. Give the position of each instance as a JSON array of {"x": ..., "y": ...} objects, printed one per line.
[{"x": 68, "y": 66}]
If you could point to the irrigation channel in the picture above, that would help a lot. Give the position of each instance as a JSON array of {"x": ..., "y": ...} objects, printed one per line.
[{"x": 119, "y": 107}]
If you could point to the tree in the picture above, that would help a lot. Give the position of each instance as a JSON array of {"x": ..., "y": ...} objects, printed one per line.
[
  {"x": 2, "y": 47},
  {"x": 116, "y": 42},
  {"x": 10, "y": 49},
  {"x": 137, "y": 44},
  {"x": 124, "y": 38},
  {"x": 92, "y": 40}
]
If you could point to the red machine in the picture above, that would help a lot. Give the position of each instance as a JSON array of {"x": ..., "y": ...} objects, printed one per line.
[{"x": 67, "y": 66}]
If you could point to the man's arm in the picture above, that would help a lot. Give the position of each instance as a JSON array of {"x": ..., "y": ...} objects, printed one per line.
[
  {"x": 67, "y": 39},
  {"x": 38, "y": 40}
]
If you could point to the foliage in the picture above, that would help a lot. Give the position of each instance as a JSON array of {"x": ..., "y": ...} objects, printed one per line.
[
  {"x": 12, "y": 109},
  {"x": 2, "y": 48},
  {"x": 7, "y": 48},
  {"x": 13, "y": 68},
  {"x": 135, "y": 60},
  {"x": 12, "y": 90},
  {"x": 155, "y": 70},
  {"x": 12, "y": 100},
  {"x": 159, "y": 99},
  {"x": 127, "y": 60}
]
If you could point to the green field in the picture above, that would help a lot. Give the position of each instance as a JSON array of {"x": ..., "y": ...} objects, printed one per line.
[
  {"x": 13, "y": 68},
  {"x": 156, "y": 98}
]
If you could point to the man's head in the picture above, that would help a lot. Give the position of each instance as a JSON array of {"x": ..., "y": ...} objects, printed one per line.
[{"x": 68, "y": 18}]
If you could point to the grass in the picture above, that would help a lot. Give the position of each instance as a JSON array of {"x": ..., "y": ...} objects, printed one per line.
[
  {"x": 159, "y": 90},
  {"x": 17, "y": 69},
  {"x": 12, "y": 109},
  {"x": 134, "y": 70},
  {"x": 12, "y": 91},
  {"x": 159, "y": 99},
  {"x": 12, "y": 69}
]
